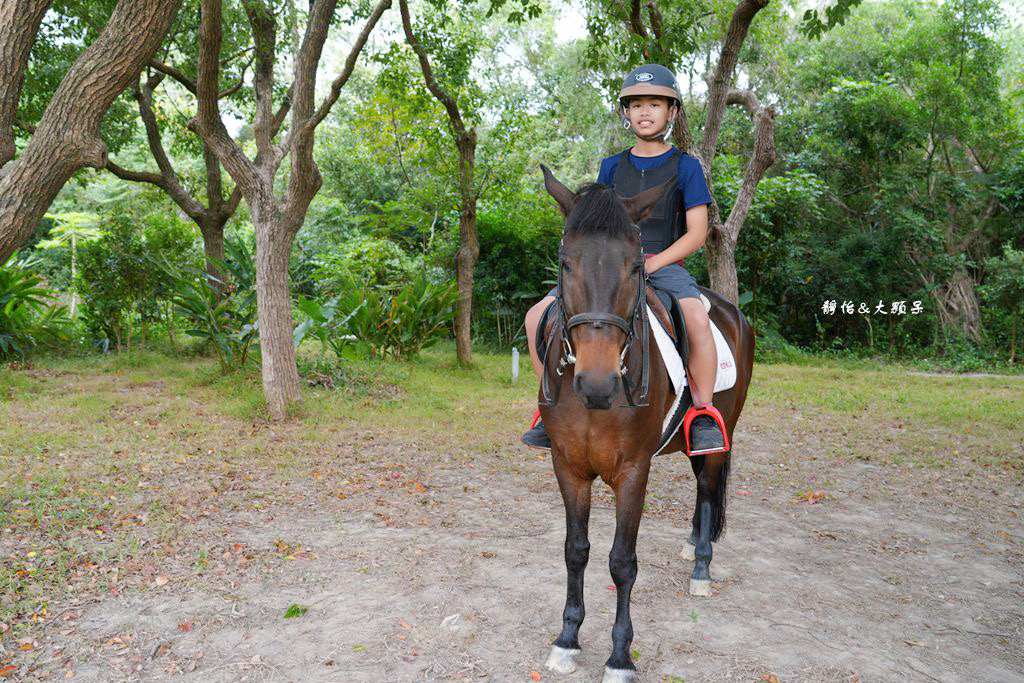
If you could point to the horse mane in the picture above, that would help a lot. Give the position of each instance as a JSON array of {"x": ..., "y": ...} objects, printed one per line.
[{"x": 598, "y": 211}]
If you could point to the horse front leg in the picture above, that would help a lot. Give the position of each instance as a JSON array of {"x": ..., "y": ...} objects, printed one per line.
[
  {"x": 576, "y": 497},
  {"x": 629, "y": 506},
  {"x": 709, "y": 519}
]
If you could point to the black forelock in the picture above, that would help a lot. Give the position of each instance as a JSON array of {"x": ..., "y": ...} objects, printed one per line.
[{"x": 598, "y": 211}]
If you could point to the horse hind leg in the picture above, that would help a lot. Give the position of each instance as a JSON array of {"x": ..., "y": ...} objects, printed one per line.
[
  {"x": 689, "y": 551},
  {"x": 709, "y": 519},
  {"x": 576, "y": 497}
]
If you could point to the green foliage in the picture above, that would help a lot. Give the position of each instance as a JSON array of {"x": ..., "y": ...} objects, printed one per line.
[
  {"x": 398, "y": 325},
  {"x": 117, "y": 281},
  {"x": 518, "y": 242},
  {"x": 835, "y": 15},
  {"x": 1003, "y": 294},
  {"x": 221, "y": 313},
  {"x": 324, "y": 323},
  {"x": 370, "y": 261},
  {"x": 29, "y": 317},
  {"x": 295, "y": 610}
]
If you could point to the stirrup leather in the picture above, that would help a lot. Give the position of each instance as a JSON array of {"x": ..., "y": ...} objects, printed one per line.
[{"x": 711, "y": 411}]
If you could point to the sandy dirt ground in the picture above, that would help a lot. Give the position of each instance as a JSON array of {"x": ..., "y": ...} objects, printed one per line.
[{"x": 416, "y": 561}]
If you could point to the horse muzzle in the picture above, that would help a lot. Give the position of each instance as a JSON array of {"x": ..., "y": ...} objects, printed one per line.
[{"x": 596, "y": 390}]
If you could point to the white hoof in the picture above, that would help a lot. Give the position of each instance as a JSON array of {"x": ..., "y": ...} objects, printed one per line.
[
  {"x": 689, "y": 552},
  {"x": 561, "y": 660},
  {"x": 618, "y": 675},
  {"x": 700, "y": 588}
]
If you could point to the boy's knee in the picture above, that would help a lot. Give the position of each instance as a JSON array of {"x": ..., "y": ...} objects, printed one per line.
[{"x": 536, "y": 311}]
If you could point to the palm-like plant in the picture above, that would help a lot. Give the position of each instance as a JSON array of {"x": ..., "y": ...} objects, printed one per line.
[{"x": 28, "y": 315}]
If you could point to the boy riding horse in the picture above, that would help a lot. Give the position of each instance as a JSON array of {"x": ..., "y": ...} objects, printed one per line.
[{"x": 676, "y": 228}]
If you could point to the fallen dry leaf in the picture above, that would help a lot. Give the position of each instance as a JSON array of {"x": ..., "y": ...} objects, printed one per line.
[
  {"x": 162, "y": 580},
  {"x": 535, "y": 675},
  {"x": 812, "y": 497},
  {"x": 8, "y": 671}
]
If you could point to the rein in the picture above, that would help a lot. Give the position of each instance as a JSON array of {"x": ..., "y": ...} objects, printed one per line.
[{"x": 598, "y": 318}]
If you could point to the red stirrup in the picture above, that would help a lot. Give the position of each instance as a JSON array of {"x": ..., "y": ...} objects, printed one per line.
[{"x": 706, "y": 409}]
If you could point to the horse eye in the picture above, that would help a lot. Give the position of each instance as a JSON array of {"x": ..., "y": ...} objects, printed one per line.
[{"x": 565, "y": 267}]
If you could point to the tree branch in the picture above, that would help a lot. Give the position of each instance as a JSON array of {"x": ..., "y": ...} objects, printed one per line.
[
  {"x": 458, "y": 127},
  {"x": 135, "y": 176},
  {"x": 350, "y": 63},
  {"x": 174, "y": 73},
  {"x": 207, "y": 121},
  {"x": 746, "y": 98},
  {"x": 763, "y": 157},
  {"x": 171, "y": 184},
  {"x": 636, "y": 23},
  {"x": 67, "y": 136},
  {"x": 19, "y": 23},
  {"x": 657, "y": 21},
  {"x": 719, "y": 89},
  {"x": 264, "y": 33}
]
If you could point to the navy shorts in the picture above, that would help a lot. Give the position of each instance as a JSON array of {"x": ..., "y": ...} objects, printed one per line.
[{"x": 672, "y": 277}]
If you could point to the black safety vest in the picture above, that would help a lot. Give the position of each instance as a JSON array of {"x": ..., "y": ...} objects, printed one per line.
[{"x": 665, "y": 223}]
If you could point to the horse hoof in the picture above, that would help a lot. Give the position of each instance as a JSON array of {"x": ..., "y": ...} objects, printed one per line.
[
  {"x": 618, "y": 675},
  {"x": 561, "y": 660},
  {"x": 689, "y": 552},
  {"x": 700, "y": 588}
]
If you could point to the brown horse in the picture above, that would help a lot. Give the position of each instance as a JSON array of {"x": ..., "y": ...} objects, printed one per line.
[{"x": 610, "y": 425}]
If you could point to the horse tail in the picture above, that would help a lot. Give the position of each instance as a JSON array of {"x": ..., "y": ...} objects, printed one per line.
[{"x": 718, "y": 499}]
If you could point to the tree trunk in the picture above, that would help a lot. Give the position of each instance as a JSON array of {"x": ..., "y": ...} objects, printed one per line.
[
  {"x": 721, "y": 255},
  {"x": 277, "y": 350},
  {"x": 465, "y": 262},
  {"x": 19, "y": 23},
  {"x": 958, "y": 305},
  {"x": 212, "y": 228},
  {"x": 724, "y": 237},
  {"x": 469, "y": 250},
  {"x": 67, "y": 137}
]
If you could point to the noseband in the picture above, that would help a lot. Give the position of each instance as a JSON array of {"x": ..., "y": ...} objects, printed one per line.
[{"x": 597, "y": 319}]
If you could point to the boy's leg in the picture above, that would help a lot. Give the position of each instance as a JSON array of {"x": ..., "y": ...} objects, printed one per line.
[
  {"x": 703, "y": 355},
  {"x": 536, "y": 437},
  {"x": 531, "y": 322},
  {"x": 705, "y": 435}
]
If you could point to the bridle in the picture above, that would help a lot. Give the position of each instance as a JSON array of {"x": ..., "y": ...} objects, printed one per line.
[{"x": 565, "y": 324}]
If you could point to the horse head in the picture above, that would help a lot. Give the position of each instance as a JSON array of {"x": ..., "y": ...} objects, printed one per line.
[{"x": 601, "y": 281}]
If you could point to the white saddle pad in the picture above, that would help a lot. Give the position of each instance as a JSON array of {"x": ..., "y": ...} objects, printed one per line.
[{"x": 725, "y": 378}]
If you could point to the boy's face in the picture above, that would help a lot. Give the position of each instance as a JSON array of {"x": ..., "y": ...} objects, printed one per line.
[{"x": 649, "y": 114}]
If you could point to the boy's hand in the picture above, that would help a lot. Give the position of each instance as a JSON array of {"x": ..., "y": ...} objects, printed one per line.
[{"x": 649, "y": 266}]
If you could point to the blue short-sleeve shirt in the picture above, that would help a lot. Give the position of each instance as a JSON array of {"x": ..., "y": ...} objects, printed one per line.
[{"x": 690, "y": 178}]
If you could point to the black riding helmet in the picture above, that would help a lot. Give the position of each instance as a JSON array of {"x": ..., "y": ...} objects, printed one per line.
[{"x": 649, "y": 79}]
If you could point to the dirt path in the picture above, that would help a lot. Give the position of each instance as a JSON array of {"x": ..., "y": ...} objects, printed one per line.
[{"x": 445, "y": 564}]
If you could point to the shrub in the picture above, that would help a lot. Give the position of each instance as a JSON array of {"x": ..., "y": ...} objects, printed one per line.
[
  {"x": 400, "y": 324},
  {"x": 222, "y": 313},
  {"x": 28, "y": 315}
]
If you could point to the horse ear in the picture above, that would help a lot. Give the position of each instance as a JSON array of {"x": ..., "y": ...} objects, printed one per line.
[
  {"x": 565, "y": 197},
  {"x": 639, "y": 206}
]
